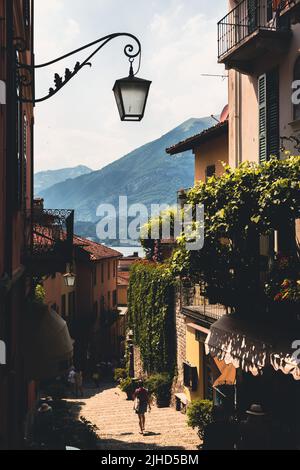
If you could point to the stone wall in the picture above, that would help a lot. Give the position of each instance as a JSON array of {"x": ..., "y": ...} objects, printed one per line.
[
  {"x": 137, "y": 361},
  {"x": 184, "y": 296}
]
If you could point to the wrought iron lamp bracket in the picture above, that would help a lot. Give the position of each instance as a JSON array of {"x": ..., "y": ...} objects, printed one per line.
[{"x": 26, "y": 73}]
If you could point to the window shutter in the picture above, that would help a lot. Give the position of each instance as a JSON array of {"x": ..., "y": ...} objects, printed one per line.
[
  {"x": 273, "y": 113},
  {"x": 194, "y": 379},
  {"x": 270, "y": 4},
  {"x": 262, "y": 103},
  {"x": 186, "y": 374},
  {"x": 24, "y": 182}
]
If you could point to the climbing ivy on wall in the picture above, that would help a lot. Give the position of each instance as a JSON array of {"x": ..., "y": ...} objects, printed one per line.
[
  {"x": 240, "y": 206},
  {"x": 151, "y": 315}
]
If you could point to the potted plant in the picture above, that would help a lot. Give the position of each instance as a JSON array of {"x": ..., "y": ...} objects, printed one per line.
[
  {"x": 160, "y": 385},
  {"x": 120, "y": 374},
  {"x": 199, "y": 415},
  {"x": 128, "y": 386}
]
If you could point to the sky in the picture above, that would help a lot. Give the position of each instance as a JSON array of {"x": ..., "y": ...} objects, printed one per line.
[{"x": 81, "y": 125}]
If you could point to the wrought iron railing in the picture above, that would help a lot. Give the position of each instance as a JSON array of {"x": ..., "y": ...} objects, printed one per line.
[
  {"x": 246, "y": 18},
  {"x": 286, "y": 5},
  {"x": 49, "y": 232},
  {"x": 196, "y": 304}
]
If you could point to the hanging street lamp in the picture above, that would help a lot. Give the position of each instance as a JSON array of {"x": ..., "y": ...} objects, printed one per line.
[
  {"x": 69, "y": 279},
  {"x": 131, "y": 93}
]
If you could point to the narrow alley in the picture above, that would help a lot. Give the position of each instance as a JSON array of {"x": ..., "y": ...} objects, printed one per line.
[{"x": 109, "y": 410}]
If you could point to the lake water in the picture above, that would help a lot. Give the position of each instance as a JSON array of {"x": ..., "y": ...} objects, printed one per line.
[{"x": 129, "y": 250}]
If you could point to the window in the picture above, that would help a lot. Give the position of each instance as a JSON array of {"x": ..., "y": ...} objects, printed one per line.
[
  {"x": 190, "y": 376},
  {"x": 268, "y": 103},
  {"x": 102, "y": 273},
  {"x": 108, "y": 271},
  {"x": 296, "y": 110},
  {"x": 114, "y": 298},
  {"x": 24, "y": 169},
  {"x": 115, "y": 269},
  {"x": 208, "y": 380},
  {"x": 63, "y": 306},
  {"x": 210, "y": 171},
  {"x": 108, "y": 300},
  {"x": 94, "y": 275},
  {"x": 19, "y": 151}
]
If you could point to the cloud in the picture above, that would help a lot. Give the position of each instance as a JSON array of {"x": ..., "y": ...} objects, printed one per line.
[{"x": 81, "y": 124}]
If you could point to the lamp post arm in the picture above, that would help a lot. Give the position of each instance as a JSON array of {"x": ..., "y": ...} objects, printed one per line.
[{"x": 25, "y": 73}]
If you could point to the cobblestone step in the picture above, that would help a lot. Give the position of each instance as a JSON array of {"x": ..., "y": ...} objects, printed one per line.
[{"x": 109, "y": 410}]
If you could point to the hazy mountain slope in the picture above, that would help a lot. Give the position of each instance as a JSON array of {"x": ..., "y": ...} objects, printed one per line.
[
  {"x": 45, "y": 179},
  {"x": 146, "y": 175}
]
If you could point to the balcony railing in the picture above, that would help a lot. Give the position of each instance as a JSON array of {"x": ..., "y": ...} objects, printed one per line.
[
  {"x": 49, "y": 236},
  {"x": 241, "y": 22},
  {"x": 198, "y": 307},
  {"x": 289, "y": 6}
]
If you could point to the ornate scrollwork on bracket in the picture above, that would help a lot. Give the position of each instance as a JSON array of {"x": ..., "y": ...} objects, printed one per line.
[{"x": 25, "y": 73}]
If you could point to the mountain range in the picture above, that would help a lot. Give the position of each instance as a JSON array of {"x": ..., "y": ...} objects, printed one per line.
[
  {"x": 45, "y": 179},
  {"x": 146, "y": 175}
]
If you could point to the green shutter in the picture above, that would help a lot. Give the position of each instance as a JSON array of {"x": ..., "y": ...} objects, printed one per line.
[
  {"x": 273, "y": 139},
  {"x": 269, "y": 10},
  {"x": 252, "y": 15},
  {"x": 262, "y": 104}
]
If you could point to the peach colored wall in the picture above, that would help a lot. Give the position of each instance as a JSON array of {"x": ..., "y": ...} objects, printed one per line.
[
  {"x": 286, "y": 78},
  {"x": 122, "y": 295},
  {"x": 211, "y": 153},
  {"x": 243, "y": 111},
  {"x": 109, "y": 284},
  {"x": 83, "y": 289},
  {"x": 88, "y": 293},
  {"x": 243, "y": 118},
  {"x": 55, "y": 288}
]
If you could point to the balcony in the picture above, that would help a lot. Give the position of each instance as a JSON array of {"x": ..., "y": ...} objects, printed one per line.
[
  {"x": 291, "y": 8},
  {"x": 49, "y": 240},
  {"x": 251, "y": 33},
  {"x": 197, "y": 307}
]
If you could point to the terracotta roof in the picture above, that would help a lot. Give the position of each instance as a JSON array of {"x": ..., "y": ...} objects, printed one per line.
[
  {"x": 123, "y": 278},
  {"x": 96, "y": 250},
  {"x": 204, "y": 136},
  {"x": 168, "y": 241}
]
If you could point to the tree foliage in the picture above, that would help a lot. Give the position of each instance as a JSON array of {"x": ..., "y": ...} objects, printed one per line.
[{"x": 240, "y": 206}]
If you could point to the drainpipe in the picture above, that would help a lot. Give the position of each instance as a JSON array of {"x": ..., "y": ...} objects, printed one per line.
[{"x": 238, "y": 127}]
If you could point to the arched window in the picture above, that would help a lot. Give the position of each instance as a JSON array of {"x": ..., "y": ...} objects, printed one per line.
[{"x": 296, "y": 77}]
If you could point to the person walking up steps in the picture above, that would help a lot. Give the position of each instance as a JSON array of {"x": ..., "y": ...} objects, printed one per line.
[{"x": 141, "y": 404}]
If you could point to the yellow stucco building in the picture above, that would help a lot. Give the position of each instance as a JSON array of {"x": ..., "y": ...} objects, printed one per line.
[{"x": 194, "y": 317}]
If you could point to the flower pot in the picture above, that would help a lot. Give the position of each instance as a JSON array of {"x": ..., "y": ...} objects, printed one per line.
[{"x": 163, "y": 401}]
